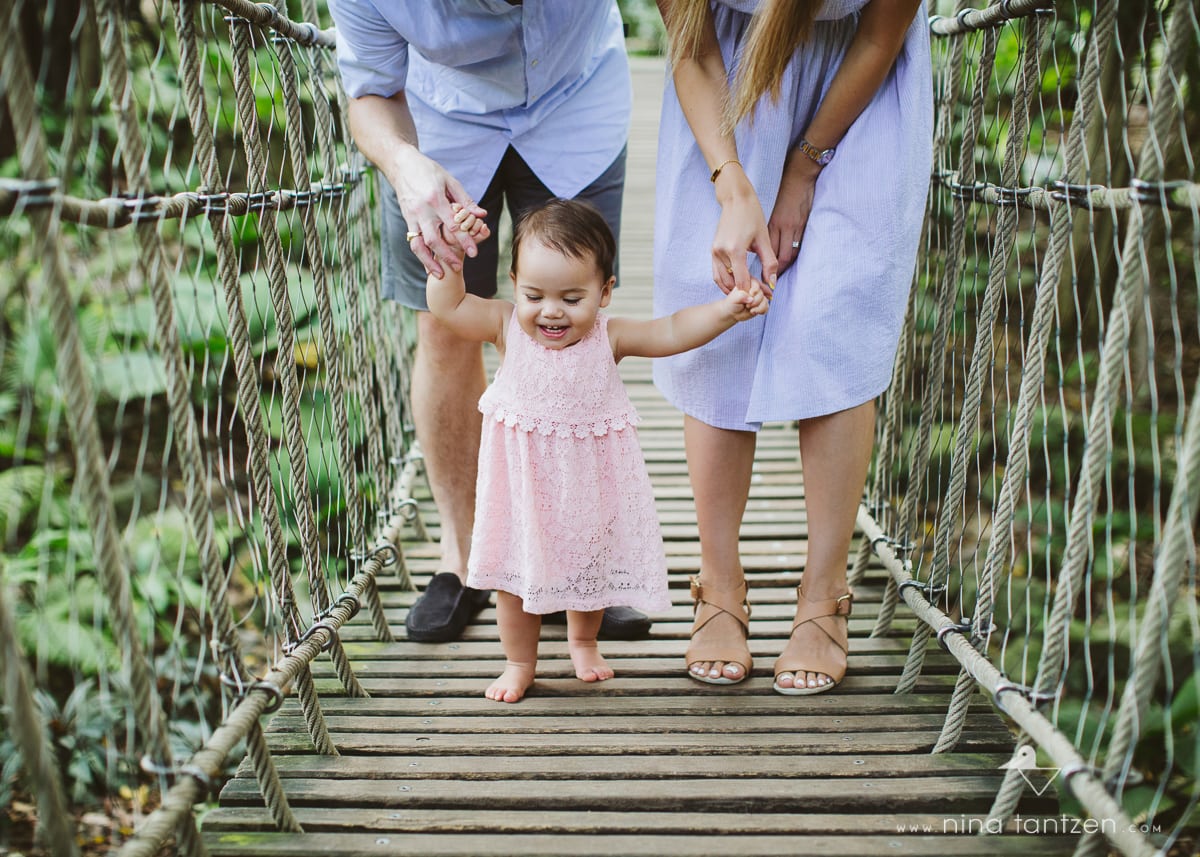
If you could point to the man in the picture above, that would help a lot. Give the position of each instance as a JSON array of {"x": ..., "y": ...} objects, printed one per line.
[{"x": 482, "y": 103}]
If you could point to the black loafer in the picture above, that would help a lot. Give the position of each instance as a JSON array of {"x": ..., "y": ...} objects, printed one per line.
[
  {"x": 619, "y": 623},
  {"x": 444, "y": 609}
]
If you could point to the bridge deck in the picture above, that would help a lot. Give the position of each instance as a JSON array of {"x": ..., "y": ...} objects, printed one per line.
[{"x": 649, "y": 762}]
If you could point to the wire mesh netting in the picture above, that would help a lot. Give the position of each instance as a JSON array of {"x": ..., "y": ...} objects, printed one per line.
[
  {"x": 202, "y": 438},
  {"x": 1035, "y": 474},
  {"x": 199, "y": 397}
]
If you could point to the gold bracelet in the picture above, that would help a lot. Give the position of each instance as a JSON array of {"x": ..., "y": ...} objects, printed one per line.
[{"x": 721, "y": 166}]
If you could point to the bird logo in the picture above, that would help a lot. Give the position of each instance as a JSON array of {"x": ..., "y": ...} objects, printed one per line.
[{"x": 1024, "y": 761}]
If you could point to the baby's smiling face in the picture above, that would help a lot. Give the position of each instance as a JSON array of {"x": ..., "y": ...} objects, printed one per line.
[{"x": 558, "y": 295}]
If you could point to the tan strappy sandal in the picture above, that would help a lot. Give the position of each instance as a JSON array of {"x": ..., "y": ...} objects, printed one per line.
[
  {"x": 711, "y": 602},
  {"x": 830, "y": 616}
]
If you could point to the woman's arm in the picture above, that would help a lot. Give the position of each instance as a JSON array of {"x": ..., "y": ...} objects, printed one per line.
[
  {"x": 882, "y": 26},
  {"x": 702, "y": 88}
]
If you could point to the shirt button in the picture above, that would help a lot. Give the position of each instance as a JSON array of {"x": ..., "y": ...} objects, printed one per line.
[{"x": 534, "y": 63}]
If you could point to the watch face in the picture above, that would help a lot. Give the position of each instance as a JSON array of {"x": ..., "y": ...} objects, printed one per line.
[{"x": 825, "y": 157}]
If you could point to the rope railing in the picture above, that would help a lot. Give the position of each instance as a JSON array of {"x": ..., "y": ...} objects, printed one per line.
[
  {"x": 1033, "y": 497},
  {"x": 264, "y": 477},
  {"x": 206, "y": 465}
]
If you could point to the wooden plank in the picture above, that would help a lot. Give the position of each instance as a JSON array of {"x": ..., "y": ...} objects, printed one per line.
[
  {"x": 318, "y": 819},
  {"x": 263, "y": 844},
  {"x": 716, "y": 704},
  {"x": 599, "y": 767},
  {"x": 550, "y": 668},
  {"x": 620, "y": 686},
  {"x": 962, "y": 794},
  {"x": 739, "y": 746}
]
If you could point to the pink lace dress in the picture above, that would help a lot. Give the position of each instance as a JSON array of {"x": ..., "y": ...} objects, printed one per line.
[{"x": 564, "y": 510}]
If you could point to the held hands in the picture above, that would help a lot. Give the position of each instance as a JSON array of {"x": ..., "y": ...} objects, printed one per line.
[
  {"x": 744, "y": 304},
  {"x": 429, "y": 198},
  {"x": 742, "y": 229}
]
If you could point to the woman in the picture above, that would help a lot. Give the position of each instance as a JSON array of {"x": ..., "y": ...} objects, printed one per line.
[{"x": 820, "y": 116}]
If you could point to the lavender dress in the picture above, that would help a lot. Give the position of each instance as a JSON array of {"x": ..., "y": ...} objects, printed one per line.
[{"x": 829, "y": 339}]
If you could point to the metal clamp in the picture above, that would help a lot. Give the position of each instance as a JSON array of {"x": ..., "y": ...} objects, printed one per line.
[
  {"x": 384, "y": 547},
  {"x": 930, "y": 591},
  {"x": 1158, "y": 193},
  {"x": 968, "y": 192},
  {"x": 213, "y": 203},
  {"x": 1075, "y": 195},
  {"x": 199, "y": 775},
  {"x": 407, "y": 509},
  {"x": 158, "y": 769},
  {"x": 288, "y": 648},
  {"x": 140, "y": 208},
  {"x": 1008, "y": 196},
  {"x": 1072, "y": 770},
  {"x": 31, "y": 193},
  {"x": 1035, "y": 699},
  {"x": 966, "y": 628},
  {"x": 276, "y": 694},
  {"x": 347, "y": 598},
  {"x": 899, "y": 549}
]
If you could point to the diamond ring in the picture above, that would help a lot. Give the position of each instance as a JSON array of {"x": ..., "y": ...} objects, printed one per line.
[
  {"x": 795, "y": 245},
  {"x": 411, "y": 235}
]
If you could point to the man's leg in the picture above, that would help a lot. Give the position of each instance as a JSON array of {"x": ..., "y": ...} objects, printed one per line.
[{"x": 448, "y": 379}]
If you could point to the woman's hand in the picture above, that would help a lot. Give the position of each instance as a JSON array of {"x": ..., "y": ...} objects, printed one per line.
[
  {"x": 742, "y": 229},
  {"x": 792, "y": 206}
]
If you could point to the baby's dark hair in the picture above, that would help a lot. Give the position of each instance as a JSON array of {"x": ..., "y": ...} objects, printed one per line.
[{"x": 571, "y": 226}]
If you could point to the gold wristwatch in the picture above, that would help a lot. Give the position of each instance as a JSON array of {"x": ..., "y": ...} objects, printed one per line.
[{"x": 820, "y": 157}]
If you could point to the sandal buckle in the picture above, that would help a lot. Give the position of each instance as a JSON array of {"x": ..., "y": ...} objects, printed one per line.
[{"x": 697, "y": 590}]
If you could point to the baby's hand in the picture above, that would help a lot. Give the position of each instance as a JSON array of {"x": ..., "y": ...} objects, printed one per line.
[
  {"x": 744, "y": 304},
  {"x": 467, "y": 222}
]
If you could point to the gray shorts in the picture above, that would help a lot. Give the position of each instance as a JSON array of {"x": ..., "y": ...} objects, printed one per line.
[{"x": 514, "y": 185}]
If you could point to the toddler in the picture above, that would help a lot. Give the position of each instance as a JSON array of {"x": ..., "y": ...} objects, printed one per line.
[{"x": 564, "y": 510}]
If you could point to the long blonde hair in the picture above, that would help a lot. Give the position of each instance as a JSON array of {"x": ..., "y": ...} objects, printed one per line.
[{"x": 776, "y": 30}]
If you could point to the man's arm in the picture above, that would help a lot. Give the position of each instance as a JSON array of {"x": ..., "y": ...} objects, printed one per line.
[{"x": 384, "y": 131}]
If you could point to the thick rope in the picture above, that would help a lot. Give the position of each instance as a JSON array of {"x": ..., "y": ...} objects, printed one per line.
[
  {"x": 1176, "y": 551},
  {"x": 1077, "y": 774},
  {"x": 935, "y": 369},
  {"x": 1126, "y": 311},
  {"x": 293, "y": 430},
  {"x": 981, "y": 366},
  {"x": 267, "y": 16},
  {"x": 330, "y": 341},
  {"x": 996, "y": 15},
  {"x": 91, "y": 475},
  {"x": 207, "y": 763},
  {"x": 56, "y": 829},
  {"x": 248, "y": 384},
  {"x": 225, "y": 645},
  {"x": 1100, "y": 49},
  {"x": 1034, "y": 359}
]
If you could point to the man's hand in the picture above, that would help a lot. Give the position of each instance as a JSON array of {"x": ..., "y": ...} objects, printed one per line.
[{"x": 429, "y": 197}]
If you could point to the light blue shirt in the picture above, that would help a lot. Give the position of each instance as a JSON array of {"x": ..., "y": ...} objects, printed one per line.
[{"x": 548, "y": 77}]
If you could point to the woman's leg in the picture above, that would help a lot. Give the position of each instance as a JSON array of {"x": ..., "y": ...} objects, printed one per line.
[
  {"x": 582, "y": 628},
  {"x": 519, "y": 633},
  {"x": 719, "y": 466},
  {"x": 835, "y": 453}
]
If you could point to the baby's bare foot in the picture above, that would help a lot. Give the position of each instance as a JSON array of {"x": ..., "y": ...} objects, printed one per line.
[
  {"x": 588, "y": 662},
  {"x": 512, "y": 683}
]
